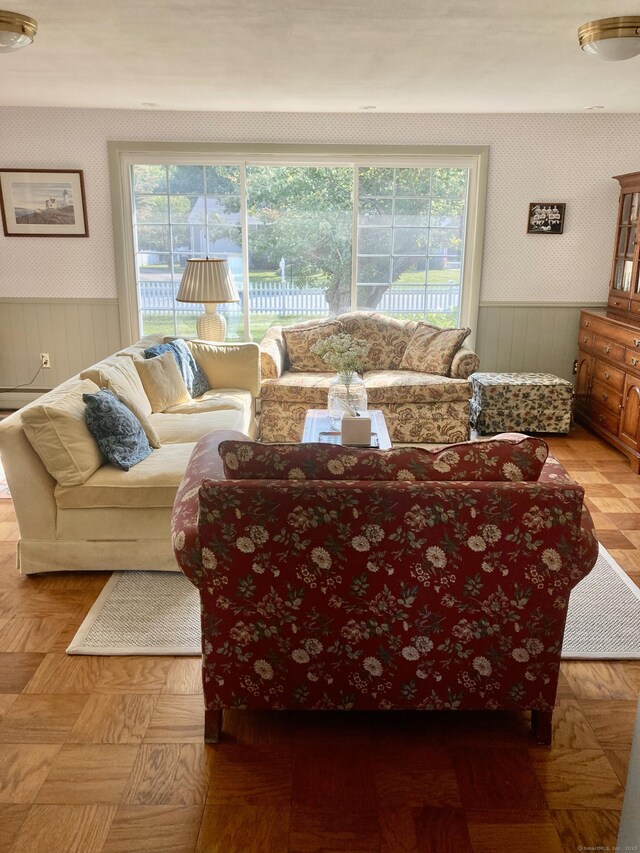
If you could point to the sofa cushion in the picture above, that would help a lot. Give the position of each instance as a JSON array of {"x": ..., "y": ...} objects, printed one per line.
[
  {"x": 229, "y": 365},
  {"x": 177, "y": 428},
  {"x": 308, "y": 388},
  {"x": 119, "y": 434},
  {"x": 162, "y": 382},
  {"x": 385, "y": 387},
  {"x": 57, "y": 430},
  {"x": 431, "y": 350},
  {"x": 120, "y": 376},
  {"x": 513, "y": 458},
  {"x": 152, "y": 483},
  {"x": 214, "y": 400},
  {"x": 299, "y": 340},
  {"x": 194, "y": 378},
  {"x": 386, "y": 336}
]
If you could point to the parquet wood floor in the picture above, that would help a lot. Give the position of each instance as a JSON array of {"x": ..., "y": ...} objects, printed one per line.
[{"x": 105, "y": 755}]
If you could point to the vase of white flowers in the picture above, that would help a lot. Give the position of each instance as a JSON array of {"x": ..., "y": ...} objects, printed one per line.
[{"x": 347, "y": 392}]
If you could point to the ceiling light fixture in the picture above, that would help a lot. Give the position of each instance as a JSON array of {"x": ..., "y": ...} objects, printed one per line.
[
  {"x": 16, "y": 31},
  {"x": 611, "y": 39}
]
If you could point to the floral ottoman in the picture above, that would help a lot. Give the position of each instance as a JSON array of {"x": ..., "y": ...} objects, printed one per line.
[{"x": 520, "y": 402}]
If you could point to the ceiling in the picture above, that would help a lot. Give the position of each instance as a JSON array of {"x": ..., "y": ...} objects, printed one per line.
[{"x": 442, "y": 56}]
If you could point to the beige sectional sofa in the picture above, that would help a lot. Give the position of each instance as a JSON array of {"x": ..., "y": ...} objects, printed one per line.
[
  {"x": 418, "y": 406},
  {"x": 97, "y": 516}
]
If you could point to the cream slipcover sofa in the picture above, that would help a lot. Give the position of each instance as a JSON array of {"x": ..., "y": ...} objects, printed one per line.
[
  {"x": 121, "y": 519},
  {"x": 418, "y": 407}
]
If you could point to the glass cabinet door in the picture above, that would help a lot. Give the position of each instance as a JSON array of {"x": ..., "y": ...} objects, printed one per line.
[{"x": 623, "y": 278}]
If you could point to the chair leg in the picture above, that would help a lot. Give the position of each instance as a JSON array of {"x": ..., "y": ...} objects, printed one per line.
[
  {"x": 541, "y": 726},
  {"x": 212, "y": 726}
]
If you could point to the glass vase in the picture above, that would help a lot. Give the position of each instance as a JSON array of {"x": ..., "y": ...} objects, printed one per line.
[{"x": 349, "y": 389}]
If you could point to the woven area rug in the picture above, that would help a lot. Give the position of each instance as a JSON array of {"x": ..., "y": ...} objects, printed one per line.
[{"x": 157, "y": 613}]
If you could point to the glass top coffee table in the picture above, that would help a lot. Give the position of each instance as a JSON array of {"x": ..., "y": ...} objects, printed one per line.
[{"x": 317, "y": 427}]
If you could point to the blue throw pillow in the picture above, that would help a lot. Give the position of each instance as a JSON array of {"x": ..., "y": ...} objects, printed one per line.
[
  {"x": 194, "y": 378},
  {"x": 118, "y": 432}
]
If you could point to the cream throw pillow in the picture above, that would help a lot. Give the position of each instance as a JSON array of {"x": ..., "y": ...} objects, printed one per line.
[
  {"x": 57, "y": 430},
  {"x": 162, "y": 382},
  {"x": 431, "y": 350},
  {"x": 228, "y": 365},
  {"x": 120, "y": 376}
]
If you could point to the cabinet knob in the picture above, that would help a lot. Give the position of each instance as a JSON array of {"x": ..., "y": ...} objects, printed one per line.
[
  {"x": 601, "y": 418},
  {"x": 607, "y": 348},
  {"x": 607, "y": 375},
  {"x": 634, "y": 361},
  {"x": 636, "y": 342},
  {"x": 584, "y": 339},
  {"x": 605, "y": 396},
  {"x": 616, "y": 302},
  {"x": 586, "y": 323}
]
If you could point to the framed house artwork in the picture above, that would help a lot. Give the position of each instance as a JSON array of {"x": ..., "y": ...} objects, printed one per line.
[
  {"x": 43, "y": 203},
  {"x": 546, "y": 217}
]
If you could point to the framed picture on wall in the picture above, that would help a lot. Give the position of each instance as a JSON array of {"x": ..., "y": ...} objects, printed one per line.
[
  {"x": 546, "y": 217},
  {"x": 43, "y": 203}
]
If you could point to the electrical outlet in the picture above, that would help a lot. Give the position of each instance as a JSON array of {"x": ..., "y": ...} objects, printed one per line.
[{"x": 45, "y": 361}]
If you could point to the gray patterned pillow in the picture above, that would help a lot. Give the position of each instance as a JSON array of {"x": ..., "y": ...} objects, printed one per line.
[{"x": 117, "y": 431}]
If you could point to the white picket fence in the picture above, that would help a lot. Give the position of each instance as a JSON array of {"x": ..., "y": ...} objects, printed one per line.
[{"x": 285, "y": 300}]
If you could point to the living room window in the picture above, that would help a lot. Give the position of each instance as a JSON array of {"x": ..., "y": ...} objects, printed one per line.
[{"x": 306, "y": 236}]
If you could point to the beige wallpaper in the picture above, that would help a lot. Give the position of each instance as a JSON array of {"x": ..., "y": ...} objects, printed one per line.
[{"x": 568, "y": 158}]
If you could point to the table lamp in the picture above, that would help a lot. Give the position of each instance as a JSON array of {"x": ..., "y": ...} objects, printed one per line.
[{"x": 208, "y": 281}]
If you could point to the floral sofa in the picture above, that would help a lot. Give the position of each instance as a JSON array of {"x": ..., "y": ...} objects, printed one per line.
[
  {"x": 427, "y": 580},
  {"x": 418, "y": 406}
]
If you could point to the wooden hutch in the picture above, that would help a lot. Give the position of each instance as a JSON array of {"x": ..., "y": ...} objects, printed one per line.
[{"x": 608, "y": 368}]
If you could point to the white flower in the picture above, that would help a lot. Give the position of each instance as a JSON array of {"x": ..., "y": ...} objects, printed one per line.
[
  {"x": 178, "y": 540},
  {"x": 541, "y": 454},
  {"x": 263, "y": 669},
  {"x": 321, "y": 558},
  {"x": 450, "y": 457},
  {"x": 511, "y": 471},
  {"x": 349, "y": 461},
  {"x": 244, "y": 453},
  {"x": 491, "y": 533},
  {"x": 424, "y": 645},
  {"x": 374, "y": 533},
  {"x": 373, "y": 666},
  {"x": 296, "y": 474},
  {"x": 482, "y": 666},
  {"x": 258, "y": 569},
  {"x": 360, "y": 543},
  {"x": 441, "y": 465},
  {"x": 409, "y": 653},
  {"x": 231, "y": 461},
  {"x": 258, "y": 534},
  {"x": 521, "y": 655},
  {"x": 313, "y": 646},
  {"x": 335, "y": 466},
  {"x": 476, "y": 543},
  {"x": 403, "y": 474},
  {"x": 209, "y": 560},
  {"x": 551, "y": 559},
  {"x": 533, "y": 646},
  {"x": 300, "y": 656},
  {"x": 245, "y": 545},
  {"x": 436, "y": 557}
]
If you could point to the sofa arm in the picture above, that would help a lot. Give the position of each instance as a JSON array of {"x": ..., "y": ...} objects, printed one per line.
[
  {"x": 465, "y": 362},
  {"x": 228, "y": 365},
  {"x": 273, "y": 353}
]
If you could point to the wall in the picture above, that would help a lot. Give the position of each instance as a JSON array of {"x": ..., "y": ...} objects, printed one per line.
[{"x": 567, "y": 158}]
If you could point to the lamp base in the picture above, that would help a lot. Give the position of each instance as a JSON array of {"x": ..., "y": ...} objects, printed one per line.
[{"x": 211, "y": 326}]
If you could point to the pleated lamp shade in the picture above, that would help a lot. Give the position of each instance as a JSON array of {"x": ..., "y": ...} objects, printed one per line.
[{"x": 208, "y": 281}]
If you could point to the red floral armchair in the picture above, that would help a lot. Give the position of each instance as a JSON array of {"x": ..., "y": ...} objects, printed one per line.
[{"x": 369, "y": 594}]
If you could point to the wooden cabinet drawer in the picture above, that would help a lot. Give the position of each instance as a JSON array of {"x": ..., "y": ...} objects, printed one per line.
[
  {"x": 605, "y": 396},
  {"x": 619, "y": 302},
  {"x": 605, "y": 346},
  {"x": 604, "y": 418},
  {"x": 611, "y": 376},
  {"x": 632, "y": 358},
  {"x": 585, "y": 339}
]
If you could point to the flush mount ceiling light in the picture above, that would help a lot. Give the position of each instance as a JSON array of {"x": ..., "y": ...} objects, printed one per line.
[
  {"x": 611, "y": 39},
  {"x": 16, "y": 31}
]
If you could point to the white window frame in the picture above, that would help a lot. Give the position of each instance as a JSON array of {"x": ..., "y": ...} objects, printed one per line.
[{"x": 122, "y": 155}]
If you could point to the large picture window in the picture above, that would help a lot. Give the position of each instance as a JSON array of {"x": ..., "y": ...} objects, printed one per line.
[{"x": 303, "y": 239}]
